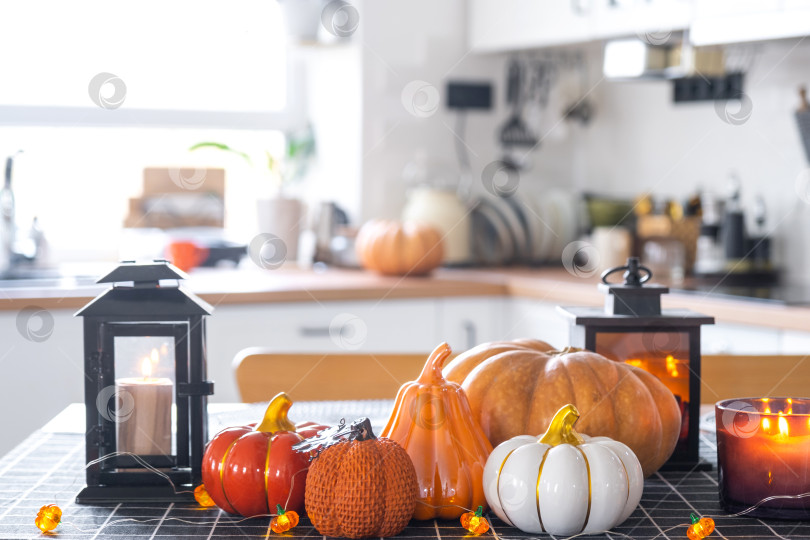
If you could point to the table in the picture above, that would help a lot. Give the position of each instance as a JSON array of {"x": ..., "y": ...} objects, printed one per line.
[{"x": 48, "y": 468}]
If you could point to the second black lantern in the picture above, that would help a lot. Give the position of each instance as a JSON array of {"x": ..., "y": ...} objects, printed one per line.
[{"x": 632, "y": 328}]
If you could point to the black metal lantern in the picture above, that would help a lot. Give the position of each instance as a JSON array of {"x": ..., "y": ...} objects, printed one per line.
[
  {"x": 632, "y": 328},
  {"x": 145, "y": 389}
]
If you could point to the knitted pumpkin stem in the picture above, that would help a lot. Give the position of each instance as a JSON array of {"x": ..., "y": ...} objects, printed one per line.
[
  {"x": 432, "y": 372},
  {"x": 361, "y": 431},
  {"x": 561, "y": 428},
  {"x": 275, "y": 417}
]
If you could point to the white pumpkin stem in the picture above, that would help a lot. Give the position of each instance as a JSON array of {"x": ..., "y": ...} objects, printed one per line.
[{"x": 561, "y": 429}]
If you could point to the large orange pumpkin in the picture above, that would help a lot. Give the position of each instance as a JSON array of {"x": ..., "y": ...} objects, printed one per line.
[
  {"x": 518, "y": 391},
  {"x": 393, "y": 248},
  {"x": 433, "y": 422}
]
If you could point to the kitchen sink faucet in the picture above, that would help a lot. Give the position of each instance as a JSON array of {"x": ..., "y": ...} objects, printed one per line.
[{"x": 13, "y": 252}]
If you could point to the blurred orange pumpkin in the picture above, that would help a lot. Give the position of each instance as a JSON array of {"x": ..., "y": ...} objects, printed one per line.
[
  {"x": 393, "y": 248},
  {"x": 432, "y": 420}
]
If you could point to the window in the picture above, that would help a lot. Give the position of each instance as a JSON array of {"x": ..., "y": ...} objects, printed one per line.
[{"x": 197, "y": 63}]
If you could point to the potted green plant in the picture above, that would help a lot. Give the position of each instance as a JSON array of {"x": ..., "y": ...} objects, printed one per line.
[{"x": 282, "y": 213}]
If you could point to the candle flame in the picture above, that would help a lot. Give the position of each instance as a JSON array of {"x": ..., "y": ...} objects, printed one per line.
[
  {"x": 783, "y": 427},
  {"x": 146, "y": 368},
  {"x": 635, "y": 362},
  {"x": 672, "y": 366},
  {"x": 154, "y": 356},
  {"x": 766, "y": 424}
]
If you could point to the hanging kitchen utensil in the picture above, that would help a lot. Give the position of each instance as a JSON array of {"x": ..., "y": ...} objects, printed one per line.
[
  {"x": 803, "y": 120},
  {"x": 515, "y": 132},
  {"x": 581, "y": 110}
]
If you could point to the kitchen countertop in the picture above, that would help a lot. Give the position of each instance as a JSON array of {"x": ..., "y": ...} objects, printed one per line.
[
  {"x": 48, "y": 468},
  {"x": 290, "y": 284}
]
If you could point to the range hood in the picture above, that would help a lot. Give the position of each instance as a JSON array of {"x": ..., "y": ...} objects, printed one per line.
[{"x": 630, "y": 59}]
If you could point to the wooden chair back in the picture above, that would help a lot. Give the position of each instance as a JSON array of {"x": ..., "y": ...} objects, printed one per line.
[
  {"x": 726, "y": 376},
  {"x": 261, "y": 374}
]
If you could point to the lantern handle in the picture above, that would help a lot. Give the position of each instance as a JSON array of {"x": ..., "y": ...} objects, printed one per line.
[{"x": 633, "y": 273}]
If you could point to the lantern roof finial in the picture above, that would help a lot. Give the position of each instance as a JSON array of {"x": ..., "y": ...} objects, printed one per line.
[
  {"x": 143, "y": 272},
  {"x": 631, "y": 297}
]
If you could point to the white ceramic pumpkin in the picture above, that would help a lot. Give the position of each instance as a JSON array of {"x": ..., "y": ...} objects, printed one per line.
[{"x": 563, "y": 483}]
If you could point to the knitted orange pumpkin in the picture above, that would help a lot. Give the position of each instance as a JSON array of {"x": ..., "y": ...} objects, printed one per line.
[
  {"x": 432, "y": 420},
  {"x": 361, "y": 487}
]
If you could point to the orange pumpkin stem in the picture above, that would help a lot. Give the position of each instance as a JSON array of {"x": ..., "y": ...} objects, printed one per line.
[
  {"x": 432, "y": 372},
  {"x": 275, "y": 417},
  {"x": 561, "y": 428}
]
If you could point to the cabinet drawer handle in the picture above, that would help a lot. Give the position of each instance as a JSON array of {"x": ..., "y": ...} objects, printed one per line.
[
  {"x": 470, "y": 332},
  {"x": 314, "y": 331}
]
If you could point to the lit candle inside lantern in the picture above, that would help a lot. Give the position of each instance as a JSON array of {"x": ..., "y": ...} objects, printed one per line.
[
  {"x": 144, "y": 411},
  {"x": 763, "y": 450}
]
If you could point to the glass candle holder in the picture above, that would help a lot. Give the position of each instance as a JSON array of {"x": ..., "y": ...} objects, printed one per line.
[{"x": 763, "y": 456}]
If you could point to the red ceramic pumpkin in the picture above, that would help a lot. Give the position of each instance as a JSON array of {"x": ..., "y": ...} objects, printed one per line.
[{"x": 248, "y": 470}]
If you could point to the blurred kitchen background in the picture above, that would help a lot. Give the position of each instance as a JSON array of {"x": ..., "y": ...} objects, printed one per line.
[
  {"x": 554, "y": 133},
  {"x": 369, "y": 99}
]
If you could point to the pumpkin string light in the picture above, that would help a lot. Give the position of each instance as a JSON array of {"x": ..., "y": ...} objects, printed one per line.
[
  {"x": 475, "y": 522},
  {"x": 48, "y": 518},
  {"x": 202, "y": 497},
  {"x": 284, "y": 520},
  {"x": 700, "y": 527}
]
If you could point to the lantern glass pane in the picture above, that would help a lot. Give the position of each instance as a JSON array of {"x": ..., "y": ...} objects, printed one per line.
[
  {"x": 664, "y": 354},
  {"x": 144, "y": 394}
]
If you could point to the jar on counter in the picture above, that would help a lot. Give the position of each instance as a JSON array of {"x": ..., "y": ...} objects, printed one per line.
[{"x": 442, "y": 209}]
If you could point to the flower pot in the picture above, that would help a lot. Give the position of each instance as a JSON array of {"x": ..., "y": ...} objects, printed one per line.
[{"x": 281, "y": 217}]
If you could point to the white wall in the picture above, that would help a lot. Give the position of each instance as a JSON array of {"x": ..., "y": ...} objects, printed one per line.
[{"x": 417, "y": 41}]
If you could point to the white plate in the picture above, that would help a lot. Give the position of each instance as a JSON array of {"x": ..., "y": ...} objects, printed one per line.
[
  {"x": 492, "y": 241},
  {"x": 566, "y": 222},
  {"x": 542, "y": 220},
  {"x": 518, "y": 204},
  {"x": 513, "y": 223}
]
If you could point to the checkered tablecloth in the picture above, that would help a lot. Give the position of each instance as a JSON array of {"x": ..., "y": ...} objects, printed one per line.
[{"x": 48, "y": 468}]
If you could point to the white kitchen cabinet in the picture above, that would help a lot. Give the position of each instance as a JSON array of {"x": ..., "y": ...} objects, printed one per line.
[
  {"x": 794, "y": 342},
  {"x": 368, "y": 326},
  {"x": 40, "y": 375},
  {"x": 650, "y": 20},
  {"x": 735, "y": 21},
  {"x": 502, "y": 25},
  {"x": 726, "y": 338},
  {"x": 529, "y": 318},
  {"x": 466, "y": 322}
]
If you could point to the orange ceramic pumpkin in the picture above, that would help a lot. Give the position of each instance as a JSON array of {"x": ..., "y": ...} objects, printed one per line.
[
  {"x": 393, "y": 248},
  {"x": 248, "y": 470},
  {"x": 432, "y": 420},
  {"x": 461, "y": 366},
  {"x": 518, "y": 391}
]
